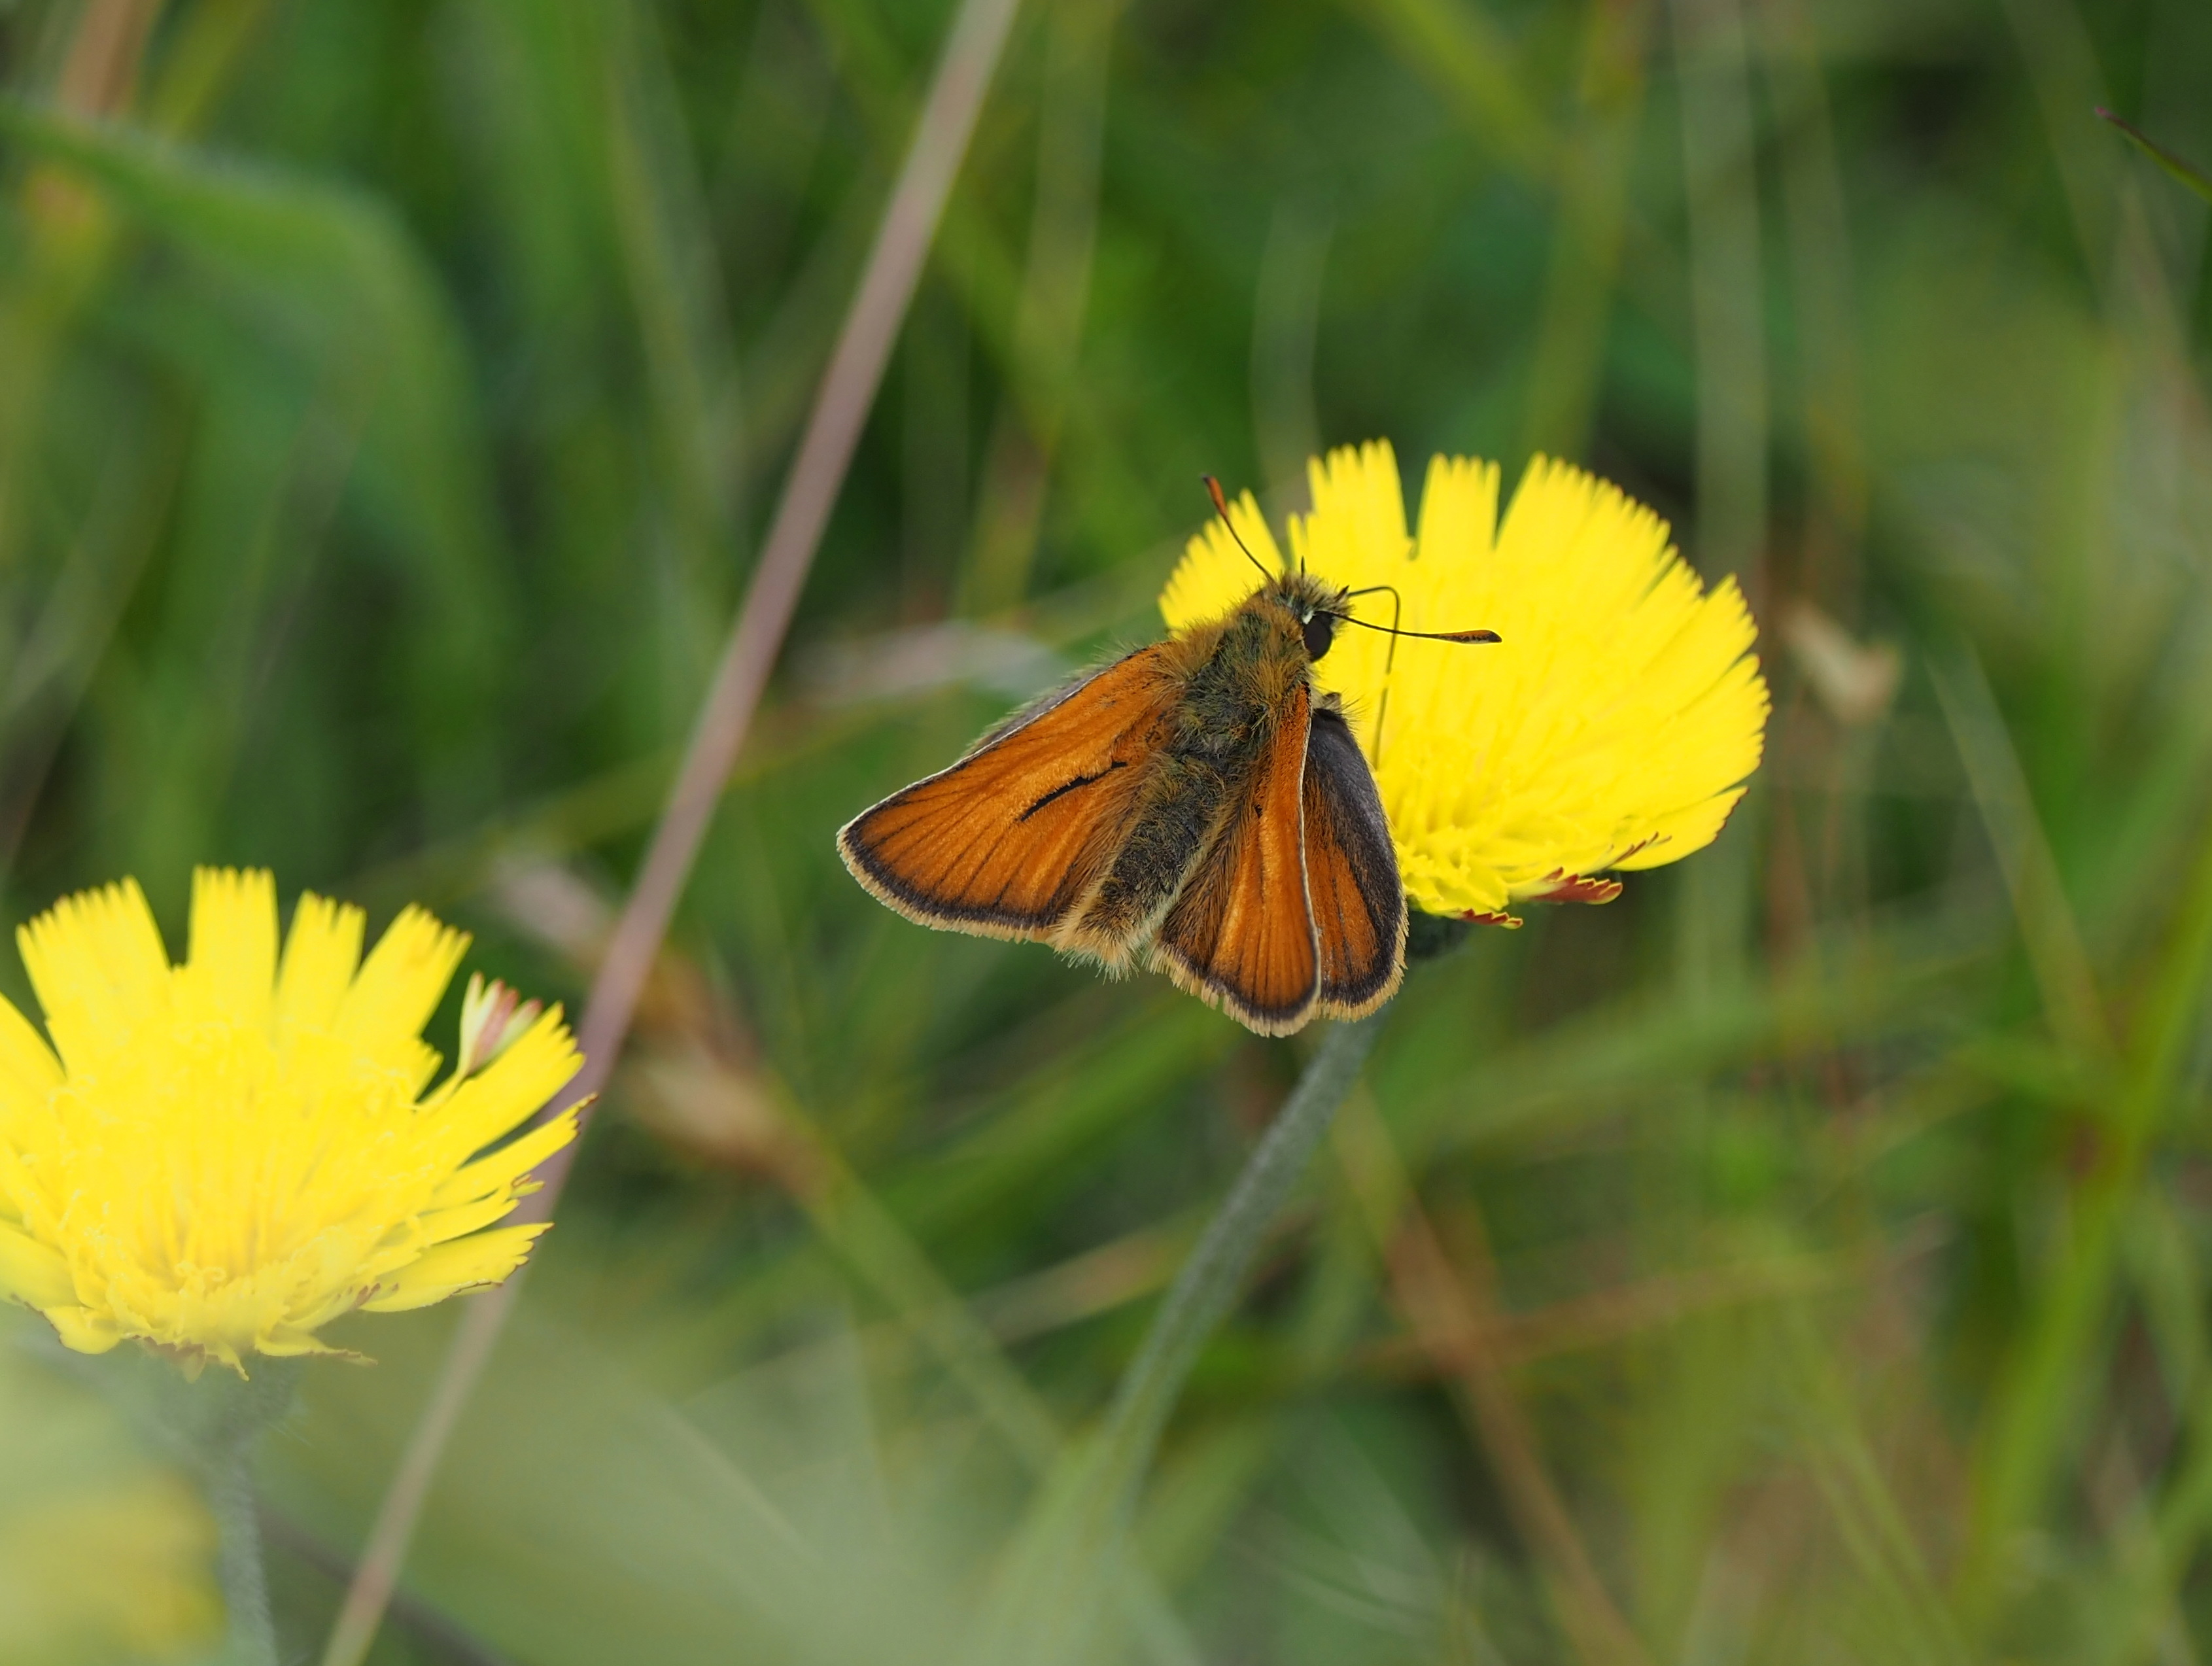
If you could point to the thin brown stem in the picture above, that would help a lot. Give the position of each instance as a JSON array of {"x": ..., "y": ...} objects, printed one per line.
[
  {"x": 1454, "y": 1312},
  {"x": 847, "y": 390},
  {"x": 102, "y": 71},
  {"x": 1455, "y": 1316}
]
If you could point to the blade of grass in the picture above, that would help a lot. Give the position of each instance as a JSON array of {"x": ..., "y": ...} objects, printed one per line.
[
  {"x": 1568, "y": 365},
  {"x": 1467, "y": 56},
  {"x": 2062, "y": 67},
  {"x": 847, "y": 390},
  {"x": 209, "y": 42},
  {"x": 57, "y": 655},
  {"x": 849, "y": 1218},
  {"x": 2036, "y": 1402},
  {"x": 1728, "y": 313},
  {"x": 333, "y": 278},
  {"x": 101, "y": 72},
  {"x": 1607, "y": 1318},
  {"x": 454, "y": 1642},
  {"x": 1874, "y": 1526},
  {"x": 1824, "y": 300},
  {"x": 1455, "y": 1319},
  {"x": 1286, "y": 321},
  {"x": 2190, "y": 175},
  {"x": 1894, "y": 983},
  {"x": 668, "y": 256},
  {"x": 2048, "y": 929},
  {"x": 1048, "y": 316},
  {"x": 987, "y": 272}
]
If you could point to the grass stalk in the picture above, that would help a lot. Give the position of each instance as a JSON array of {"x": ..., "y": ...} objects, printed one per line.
[
  {"x": 2187, "y": 173},
  {"x": 847, "y": 390},
  {"x": 2037, "y": 1404},
  {"x": 1457, "y": 1323}
]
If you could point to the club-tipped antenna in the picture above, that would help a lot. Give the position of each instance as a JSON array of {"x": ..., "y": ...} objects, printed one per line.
[
  {"x": 1422, "y": 635},
  {"x": 1221, "y": 508},
  {"x": 1392, "y": 628},
  {"x": 1390, "y": 659}
]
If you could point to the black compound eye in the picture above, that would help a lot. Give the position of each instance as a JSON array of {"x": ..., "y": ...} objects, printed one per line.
[{"x": 1320, "y": 631}]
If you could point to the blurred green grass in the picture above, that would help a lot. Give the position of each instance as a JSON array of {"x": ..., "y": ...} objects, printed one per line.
[{"x": 391, "y": 395}]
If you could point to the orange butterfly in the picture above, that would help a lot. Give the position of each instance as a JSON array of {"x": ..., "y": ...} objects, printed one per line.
[{"x": 1195, "y": 805}]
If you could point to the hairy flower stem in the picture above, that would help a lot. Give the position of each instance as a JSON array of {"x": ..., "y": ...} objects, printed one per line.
[
  {"x": 252, "y": 1635},
  {"x": 1206, "y": 1287},
  {"x": 1046, "y": 1605},
  {"x": 226, "y": 1434}
]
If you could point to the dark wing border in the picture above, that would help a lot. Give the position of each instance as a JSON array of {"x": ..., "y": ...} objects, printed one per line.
[{"x": 1342, "y": 791}]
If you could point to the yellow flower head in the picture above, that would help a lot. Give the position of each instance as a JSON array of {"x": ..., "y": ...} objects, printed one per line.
[
  {"x": 219, "y": 1157},
  {"x": 1613, "y": 726}
]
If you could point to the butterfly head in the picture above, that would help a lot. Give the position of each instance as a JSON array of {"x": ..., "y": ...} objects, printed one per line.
[{"x": 1318, "y": 607}]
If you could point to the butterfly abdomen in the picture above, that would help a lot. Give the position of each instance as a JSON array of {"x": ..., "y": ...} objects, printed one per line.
[{"x": 1180, "y": 813}]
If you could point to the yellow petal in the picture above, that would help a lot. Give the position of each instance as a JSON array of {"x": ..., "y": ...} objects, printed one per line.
[
  {"x": 29, "y": 1069},
  {"x": 230, "y": 969},
  {"x": 510, "y": 1089},
  {"x": 1676, "y": 836},
  {"x": 82, "y": 1329},
  {"x": 290, "y": 1342},
  {"x": 1459, "y": 508},
  {"x": 400, "y": 982},
  {"x": 509, "y": 1163},
  {"x": 484, "y": 1258},
  {"x": 443, "y": 1225},
  {"x": 1358, "y": 526},
  {"x": 33, "y": 1274},
  {"x": 321, "y": 955},
  {"x": 96, "y": 960}
]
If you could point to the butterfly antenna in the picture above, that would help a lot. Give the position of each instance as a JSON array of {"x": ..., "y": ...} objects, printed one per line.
[
  {"x": 1389, "y": 659},
  {"x": 1422, "y": 635},
  {"x": 1221, "y": 508},
  {"x": 1393, "y": 632}
]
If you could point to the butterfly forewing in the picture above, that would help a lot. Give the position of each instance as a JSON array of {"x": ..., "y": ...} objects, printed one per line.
[
  {"x": 1006, "y": 841},
  {"x": 1352, "y": 874},
  {"x": 1240, "y": 933}
]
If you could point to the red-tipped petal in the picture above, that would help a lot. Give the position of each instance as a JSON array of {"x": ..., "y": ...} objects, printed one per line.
[{"x": 1560, "y": 886}]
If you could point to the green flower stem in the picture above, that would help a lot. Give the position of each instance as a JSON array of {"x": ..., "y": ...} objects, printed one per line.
[
  {"x": 252, "y": 1634},
  {"x": 227, "y": 1431},
  {"x": 1208, "y": 1287},
  {"x": 1066, "y": 1560},
  {"x": 1044, "y": 1608}
]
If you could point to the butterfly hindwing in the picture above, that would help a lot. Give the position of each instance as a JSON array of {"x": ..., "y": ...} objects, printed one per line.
[
  {"x": 1352, "y": 874},
  {"x": 1240, "y": 933},
  {"x": 1005, "y": 842}
]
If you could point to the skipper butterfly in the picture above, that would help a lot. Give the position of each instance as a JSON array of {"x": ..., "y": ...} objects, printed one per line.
[{"x": 1197, "y": 806}]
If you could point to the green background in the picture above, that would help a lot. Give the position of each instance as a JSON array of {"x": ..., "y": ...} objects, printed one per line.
[{"x": 391, "y": 398}]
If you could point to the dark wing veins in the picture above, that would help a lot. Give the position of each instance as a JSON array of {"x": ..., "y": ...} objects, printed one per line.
[{"x": 1080, "y": 781}]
